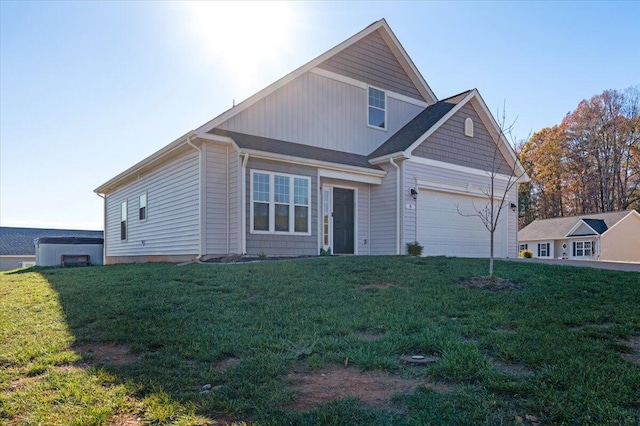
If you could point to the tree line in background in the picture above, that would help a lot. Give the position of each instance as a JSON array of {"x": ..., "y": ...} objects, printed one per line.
[{"x": 589, "y": 163}]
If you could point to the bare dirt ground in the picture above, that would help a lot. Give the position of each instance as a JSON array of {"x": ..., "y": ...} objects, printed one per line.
[
  {"x": 488, "y": 283},
  {"x": 374, "y": 388},
  {"x": 634, "y": 356},
  {"x": 105, "y": 353}
]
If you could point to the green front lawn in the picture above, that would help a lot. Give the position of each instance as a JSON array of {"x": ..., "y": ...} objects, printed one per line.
[{"x": 134, "y": 344}]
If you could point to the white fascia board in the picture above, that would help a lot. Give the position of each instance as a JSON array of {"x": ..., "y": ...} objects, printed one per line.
[
  {"x": 314, "y": 163},
  {"x": 577, "y": 225},
  {"x": 288, "y": 78},
  {"x": 219, "y": 139},
  {"x": 362, "y": 85},
  {"x": 440, "y": 122},
  {"x": 350, "y": 176},
  {"x": 400, "y": 155},
  {"x": 465, "y": 169},
  {"x": 147, "y": 162}
]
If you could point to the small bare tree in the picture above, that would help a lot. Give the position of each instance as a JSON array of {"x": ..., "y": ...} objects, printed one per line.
[{"x": 489, "y": 214}]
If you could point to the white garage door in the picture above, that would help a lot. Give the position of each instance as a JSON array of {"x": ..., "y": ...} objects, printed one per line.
[{"x": 444, "y": 232}]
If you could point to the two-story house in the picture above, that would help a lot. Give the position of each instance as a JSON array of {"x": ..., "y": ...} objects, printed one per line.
[{"x": 351, "y": 153}]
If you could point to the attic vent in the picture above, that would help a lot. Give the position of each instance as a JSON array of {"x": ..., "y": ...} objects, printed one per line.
[{"x": 468, "y": 127}]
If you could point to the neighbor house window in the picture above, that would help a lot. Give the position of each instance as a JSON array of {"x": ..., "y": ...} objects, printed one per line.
[
  {"x": 377, "y": 111},
  {"x": 523, "y": 247},
  {"x": 142, "y": 207},
  {"x": 123, "y": 220},
  {"x": 582, "y": 248},
  {"x": 543, "y": 250},
  {"x": 280, "y": 203}
]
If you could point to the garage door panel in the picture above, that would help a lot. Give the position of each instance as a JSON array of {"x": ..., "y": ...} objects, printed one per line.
[{"x": 442, "y": 230}]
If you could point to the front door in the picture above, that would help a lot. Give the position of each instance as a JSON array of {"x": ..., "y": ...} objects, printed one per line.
[{"x": 343, "y": 221}]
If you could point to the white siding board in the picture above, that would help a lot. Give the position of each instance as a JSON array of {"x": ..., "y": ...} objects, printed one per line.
[
  {"x": 319, "y": 111},
  {"x": 172, "y": 224}
]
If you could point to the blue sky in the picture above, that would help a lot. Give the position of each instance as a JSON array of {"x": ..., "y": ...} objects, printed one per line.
[{"x": 87, "y": 89}]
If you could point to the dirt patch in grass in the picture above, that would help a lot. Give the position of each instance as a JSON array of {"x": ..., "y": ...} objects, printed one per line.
[
  {"x": 489, "y": 283},
  {"x": 105, "y": 353},
  {"x": 124, "y": 420},
  {"x": 634, "y": 355},
  {"x": 223, "y": 364},
  {"x": 380, "y": 286},
  {"x": 517, "y": 370},
  {"x": 373, "y": 388}
]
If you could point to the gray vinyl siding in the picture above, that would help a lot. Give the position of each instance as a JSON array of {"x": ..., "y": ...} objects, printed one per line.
[
  {"x": 363, "y": 230},
  {"x": 384, "y": 213},
  {"x": 221, "y": 199},
  {"x": 370, "y": 60},
  {"x": 278, "y": 244},
  {"x": 172, "y": 224},
  {"x": 437, "y": 175},
  {"x": 449, "y": 144},
  {"x": 322, "y": 112}
]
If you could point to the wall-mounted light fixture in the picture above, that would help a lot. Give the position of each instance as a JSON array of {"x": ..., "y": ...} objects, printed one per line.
[
  {"x": 513, "y": 207},
  {"x": 413, "y": 193}
]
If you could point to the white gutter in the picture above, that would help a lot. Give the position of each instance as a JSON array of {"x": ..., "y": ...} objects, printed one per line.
[
  {"x": 393, "y": 163},
  {"x": 200, "y": 203},
  {"x": 243, "y": 192}
]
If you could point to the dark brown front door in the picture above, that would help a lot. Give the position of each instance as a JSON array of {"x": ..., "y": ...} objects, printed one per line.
[{"x": 343, "y": 221}]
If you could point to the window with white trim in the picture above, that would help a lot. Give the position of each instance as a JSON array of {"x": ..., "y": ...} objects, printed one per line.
[
  {"x": 325, "y": 217},
  {"x": 123, "y": 220},
  {"x": 582, "y": 248},
  {"x": 543, "y": 250},
  {"x": 142, "y": 207},
  {"x": 377, "y": 108},
  {"x": 523, "y": 247},
  {"x": 280, "y": 203}
]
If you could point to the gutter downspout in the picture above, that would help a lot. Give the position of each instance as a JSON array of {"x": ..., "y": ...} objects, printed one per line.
[
  {"x": 104, "y": 227},
  {"x": 243, "y": 191},
  {"x": 200, "y": 203},
  {"x": 393, "y": 163}
]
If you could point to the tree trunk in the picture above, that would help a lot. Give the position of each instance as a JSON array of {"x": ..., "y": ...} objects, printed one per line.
[{"x": 491, "y": 257}]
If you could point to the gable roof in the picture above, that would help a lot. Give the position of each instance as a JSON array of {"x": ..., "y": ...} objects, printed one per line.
[
  {"x": 258, "y": 143},
  {"x": 418, "y": 126},
  {"x": 21, "y": 241},
  {"x": 389, "y": 37},
  {"x": 559, "y": 227}
]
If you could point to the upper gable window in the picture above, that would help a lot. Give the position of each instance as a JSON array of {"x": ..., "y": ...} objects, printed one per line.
[
  {"x": 468, "y": 127},
  {"x": 377, "y": 110}
]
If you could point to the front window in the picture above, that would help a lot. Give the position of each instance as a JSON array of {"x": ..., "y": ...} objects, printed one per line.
[
  {"x": 123, "y": 221},
  {"x": 280, "y": 203},
  {"x": 543, "y": 250},
  {"x": 377, "y": 111},
  {"x": 582, "y": 248}
]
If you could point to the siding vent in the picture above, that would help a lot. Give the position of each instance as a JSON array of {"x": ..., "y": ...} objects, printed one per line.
[{"x": 468, "y": 127}]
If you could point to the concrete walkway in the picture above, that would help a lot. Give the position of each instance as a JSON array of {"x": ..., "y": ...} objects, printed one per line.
[{"x": 614, "y": 266}]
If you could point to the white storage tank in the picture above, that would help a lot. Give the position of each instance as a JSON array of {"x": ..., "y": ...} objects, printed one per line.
[{"x": 69, "y": 251}]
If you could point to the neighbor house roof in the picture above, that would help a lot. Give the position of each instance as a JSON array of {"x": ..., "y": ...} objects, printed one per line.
[
  {"x": 558, "y": 228},
  {"x": 21, "y": 241},
  {"x": 258, "y": 143},
  {"x": 418, "y": 126}
]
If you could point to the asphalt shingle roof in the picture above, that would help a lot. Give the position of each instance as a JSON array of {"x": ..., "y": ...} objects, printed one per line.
[
  {"x": 21, "y": 241},
  {"x": 418, "y": 126},
  {"x": 260, "y": 143},
  {"x": 559, "y": 227}
]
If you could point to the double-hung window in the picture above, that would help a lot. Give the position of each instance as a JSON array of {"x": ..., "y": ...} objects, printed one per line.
[
  {"x": 280, "y": 203},
  {"x": 377, "y": 108},
  {"x": 522, "y": 247},
  {"x": 142, "y": 207},
  {"x": 582, "y": 248},
  {"x": 123, "y": 220},
  {"x": 543, "y": 250}
]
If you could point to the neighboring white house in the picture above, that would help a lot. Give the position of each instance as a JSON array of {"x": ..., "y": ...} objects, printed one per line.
[
  {"x": 352, "y": 153},
  {"x": 613, "y": 236}
]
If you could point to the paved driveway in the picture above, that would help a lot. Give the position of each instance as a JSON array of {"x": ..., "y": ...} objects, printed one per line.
[{"x": 615, "y": 266}]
